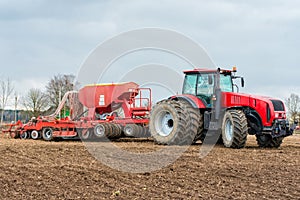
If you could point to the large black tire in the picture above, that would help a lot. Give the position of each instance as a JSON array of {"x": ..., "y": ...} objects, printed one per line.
[
  {"x": 200, "y": 133},
  {"x": 266, "y": 141},
  {"x": 234, "y": 129},
  {"x": 174, "y": 123},
  {"x": 47, "y": 134}
]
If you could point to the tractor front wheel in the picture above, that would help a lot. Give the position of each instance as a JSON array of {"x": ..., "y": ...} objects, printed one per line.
[
  {"x": 266, "y": 141},
  {"x": 234, "y": 129}
]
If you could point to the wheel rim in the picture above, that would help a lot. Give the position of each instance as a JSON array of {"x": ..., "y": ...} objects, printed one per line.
[
  {"x": 34, "y": 135},
  {"x": 24, "y": 135},
  {"x": 100, "y": 131},
  {"x": 164, "y": 124},
  {"x": 48, "y": 133},
  {"x": 128, "y": 131},
  {"x": 228, "y": 130}
]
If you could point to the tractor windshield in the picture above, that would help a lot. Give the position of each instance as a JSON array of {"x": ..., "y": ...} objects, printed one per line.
[
  {"x": 226, "y": 83},
  {"x": 202, "y": 85}
]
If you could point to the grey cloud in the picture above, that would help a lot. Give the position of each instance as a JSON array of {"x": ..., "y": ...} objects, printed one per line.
[{"x": 260, "y": 37}]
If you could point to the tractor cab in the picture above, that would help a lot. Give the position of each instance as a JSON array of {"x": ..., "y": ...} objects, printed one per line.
[{"x": 204, "y": 82}]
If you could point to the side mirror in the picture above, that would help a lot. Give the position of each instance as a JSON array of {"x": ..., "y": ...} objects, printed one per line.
[
  {"x": 243, "y": 82},
  {"x": 210, "y": 80}
]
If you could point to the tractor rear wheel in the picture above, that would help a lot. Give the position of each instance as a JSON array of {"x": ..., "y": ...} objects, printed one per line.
[
  {"x": 234, "y": 129},
  {"x": 174, "y": 123},
  {"x": 47, "y": 134},
  {"x": 266, "y": 141}
]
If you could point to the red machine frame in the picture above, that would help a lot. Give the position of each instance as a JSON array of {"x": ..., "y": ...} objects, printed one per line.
[{"x": 135, "y": 104}]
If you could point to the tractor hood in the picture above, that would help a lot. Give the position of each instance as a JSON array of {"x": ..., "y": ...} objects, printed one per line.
[
  {"x": 253, "y": 101},
  {"x": 266, "y": 98}
]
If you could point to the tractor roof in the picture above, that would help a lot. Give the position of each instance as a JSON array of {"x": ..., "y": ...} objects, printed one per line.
[
  {"x": 203, "y": 70},
  {"x": 198, "y": 70}
]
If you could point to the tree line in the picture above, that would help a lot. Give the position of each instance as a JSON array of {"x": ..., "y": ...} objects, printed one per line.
[{"x": 36, "y": 101}]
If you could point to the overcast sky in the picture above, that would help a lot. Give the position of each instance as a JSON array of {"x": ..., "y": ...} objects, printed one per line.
[{"x": 41, "y": 38}]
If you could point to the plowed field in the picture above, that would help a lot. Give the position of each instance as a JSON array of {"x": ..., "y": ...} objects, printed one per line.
[{"x": 65, "y": 170}]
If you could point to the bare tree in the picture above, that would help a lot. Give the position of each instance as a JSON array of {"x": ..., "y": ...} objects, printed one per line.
[
  {"x": 57, "y": 87},
  {"x": 16, "y": 105},
  {"x": 36, "y": 102},
  {"x": 6, "y": 90},
  {"x": 293, "y": 106}
]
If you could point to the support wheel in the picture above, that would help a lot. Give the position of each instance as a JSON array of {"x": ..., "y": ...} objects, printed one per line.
[
  {"x": 174, "y": 123},
  {"x": 101, "y": 130},
  {"x": 85, "y": 134},
  {"x": 131, "y": 130},
  {"x": 266, "y": 141},
  {"x": 47, "y": 134},
  {"x": 25, "y": 135},
  {"x": 143, "y": 132},
  {"x": 116, "y": 131},
  {"x": 234, "y": 129},
  {"x": 14, "y": 135},
  {"x": 35, "y": 134}
]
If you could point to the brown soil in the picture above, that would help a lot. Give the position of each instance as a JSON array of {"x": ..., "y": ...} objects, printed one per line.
[{"x": 65, "y": 170}]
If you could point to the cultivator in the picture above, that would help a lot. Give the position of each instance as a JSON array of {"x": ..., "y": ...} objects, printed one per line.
[{"x": 95, "y": 112}]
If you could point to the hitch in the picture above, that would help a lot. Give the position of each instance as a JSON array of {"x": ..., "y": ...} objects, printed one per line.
[{"x": 282, "y": 128}]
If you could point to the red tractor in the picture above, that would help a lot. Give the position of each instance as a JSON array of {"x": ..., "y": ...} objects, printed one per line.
[{"x": 209, "y": 106}]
